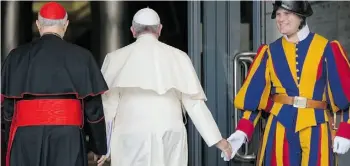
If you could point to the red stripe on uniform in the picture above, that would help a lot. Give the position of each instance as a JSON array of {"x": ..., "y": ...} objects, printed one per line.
[
  {"x": 269, "y": 104},
  {"x": 319, "y": 70},
  {"x": 342, "y": 68},
  {"x": 286, "y": 160}
]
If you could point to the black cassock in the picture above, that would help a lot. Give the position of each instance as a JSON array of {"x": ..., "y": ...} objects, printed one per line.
[{"x": 47, "y": 84}]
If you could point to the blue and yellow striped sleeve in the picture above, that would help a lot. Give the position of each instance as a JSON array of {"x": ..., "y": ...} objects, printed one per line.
[
  {"x": 338, "y": 84},
  {"x": 252, "y": 116},
  {"x": 338, "y": 73},
  {"x": 254, "y": 93}
]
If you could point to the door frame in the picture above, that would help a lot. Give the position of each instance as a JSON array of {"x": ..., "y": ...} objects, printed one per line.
[{"x": 213, "y": 26}]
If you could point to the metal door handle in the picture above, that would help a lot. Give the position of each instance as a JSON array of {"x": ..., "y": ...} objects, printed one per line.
[{"x": 243, "y": 58}]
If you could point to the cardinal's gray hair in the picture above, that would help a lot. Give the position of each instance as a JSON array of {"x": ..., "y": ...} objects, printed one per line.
[{"x": 44, "y": 22}]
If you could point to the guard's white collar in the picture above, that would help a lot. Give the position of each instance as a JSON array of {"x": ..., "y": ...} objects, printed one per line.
[{"x": 302, "y": 33}]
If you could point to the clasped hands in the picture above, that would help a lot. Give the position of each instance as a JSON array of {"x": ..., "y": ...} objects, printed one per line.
[
  {"x": 225, "y": 147},
  {"x": 235, "y": 141}
]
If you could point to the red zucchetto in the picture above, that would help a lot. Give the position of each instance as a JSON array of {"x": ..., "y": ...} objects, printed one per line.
[{"x": 53, "y": 11}]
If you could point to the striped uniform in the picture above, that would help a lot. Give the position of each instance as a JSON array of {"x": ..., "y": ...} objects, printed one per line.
[{"x": 314, "y": 68}]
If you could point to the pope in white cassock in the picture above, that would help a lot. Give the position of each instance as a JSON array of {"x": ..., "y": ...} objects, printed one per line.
[{"x": 148, "y": 82}]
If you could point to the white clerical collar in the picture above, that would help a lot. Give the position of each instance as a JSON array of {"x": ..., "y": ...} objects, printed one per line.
[
  {"x": 147, "y": 36},
  {"x": 302, "y": 33}
]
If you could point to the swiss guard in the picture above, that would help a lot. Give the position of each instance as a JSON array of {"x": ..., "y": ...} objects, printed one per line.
[
  {"x": 50, "y": 89},
  {"x": 301, "y": 79}
]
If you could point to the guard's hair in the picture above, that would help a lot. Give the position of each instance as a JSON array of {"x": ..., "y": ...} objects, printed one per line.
[{"x": 303, "y": 22}]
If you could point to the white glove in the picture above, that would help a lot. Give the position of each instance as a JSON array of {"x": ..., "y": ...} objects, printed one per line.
[
  {"x": 236, "y": 140},
  {"x": 341, "y": 145}
]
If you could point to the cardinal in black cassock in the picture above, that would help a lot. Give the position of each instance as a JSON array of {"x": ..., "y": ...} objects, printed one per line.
[{"x": 51, "y": 88}]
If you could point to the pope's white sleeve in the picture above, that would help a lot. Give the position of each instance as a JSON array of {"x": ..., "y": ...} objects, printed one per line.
[
  {"x": 110, "y": 101},
  {"x": 202, "y": 119}
]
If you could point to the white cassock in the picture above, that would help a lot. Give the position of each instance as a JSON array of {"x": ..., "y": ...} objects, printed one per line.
[{"x": 149, "y": 82}]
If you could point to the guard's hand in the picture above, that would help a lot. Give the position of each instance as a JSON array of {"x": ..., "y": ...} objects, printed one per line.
[
  {"x": 341, "y": 145},
  {"x": 225, "y": 147},
  {"x": 236, "y": 140}
]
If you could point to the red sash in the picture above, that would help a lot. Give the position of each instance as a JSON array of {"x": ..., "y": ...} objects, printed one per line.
[{"x": 39, "y": 112}]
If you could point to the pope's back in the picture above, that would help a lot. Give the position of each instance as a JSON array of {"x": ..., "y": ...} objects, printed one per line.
[{"x": 149, "y": 82}]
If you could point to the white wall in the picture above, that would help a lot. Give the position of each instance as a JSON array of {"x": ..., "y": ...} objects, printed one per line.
[{"x": 332, "y": 20}]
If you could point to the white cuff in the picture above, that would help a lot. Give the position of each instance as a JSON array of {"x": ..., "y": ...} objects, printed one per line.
[{"x": 242, "y": 134}]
